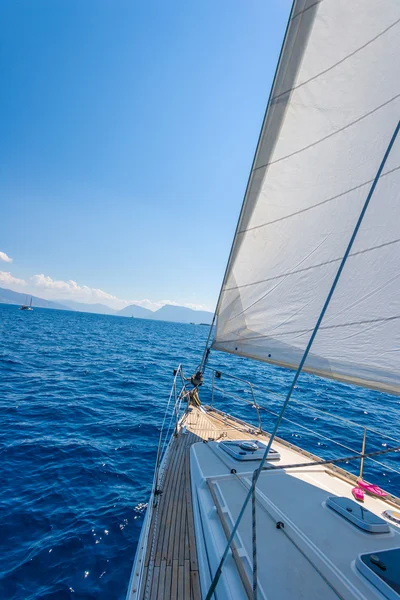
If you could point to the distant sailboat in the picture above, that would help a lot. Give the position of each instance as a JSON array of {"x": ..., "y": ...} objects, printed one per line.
[{"x": 26, "y": 306}]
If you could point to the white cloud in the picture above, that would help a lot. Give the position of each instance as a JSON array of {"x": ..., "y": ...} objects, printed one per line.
[
  {"x": 57, "y": 289},
  {"x": 5, "y": 257},
  {"x": 7, "y": 279},
  {"x": 71, "y": 289}
]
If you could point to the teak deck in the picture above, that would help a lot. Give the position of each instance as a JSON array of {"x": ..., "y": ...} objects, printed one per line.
[
  {"x": 170, "y": 563},
  {"x": 171, "y": 553}
]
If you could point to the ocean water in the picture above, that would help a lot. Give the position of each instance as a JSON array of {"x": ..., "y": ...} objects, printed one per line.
[{"x": 82, "y": 400}]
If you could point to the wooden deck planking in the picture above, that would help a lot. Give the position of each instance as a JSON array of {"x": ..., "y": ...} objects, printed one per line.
[
  {"x": 173, "y": 570},
  {"x": 173, "y": 546},
  {"x": 167, "y": 501},
  {"x": 166, "y": 593},
  {"x": 154, "y": 583},
  {"x": 162, "y": 580},
  {"x": 186, "y": 593},
  {"x": 190, "y": 521},
  {"x": 172, "y": 513},
  {"x": 181, "y": 576},
  {"x": 171, "y": 558}
]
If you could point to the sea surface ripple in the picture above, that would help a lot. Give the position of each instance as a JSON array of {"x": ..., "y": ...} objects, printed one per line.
[{"x": 82, "y": 401}]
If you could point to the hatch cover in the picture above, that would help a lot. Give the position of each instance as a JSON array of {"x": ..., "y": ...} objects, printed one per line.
[{"x": 248, "y": 450}]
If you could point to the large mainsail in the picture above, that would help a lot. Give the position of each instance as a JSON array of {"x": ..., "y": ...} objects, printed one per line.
[{"x": 334, "y": 105}]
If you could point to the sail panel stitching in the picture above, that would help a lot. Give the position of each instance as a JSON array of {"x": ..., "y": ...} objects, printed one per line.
[
  {"x": 339, "y": 326},
  {"x": 328, "y": 262},
  {"x": 296, "y": 87},
  {"x": 303, "y": 210},
  {"x": 316, "y": 143}
]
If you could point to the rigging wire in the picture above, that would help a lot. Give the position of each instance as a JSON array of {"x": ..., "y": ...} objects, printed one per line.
[
  {"x": 310, "y": 407},
  {"x": 158, "y": 479},
  {"x": 315, "y": 433},
  {"x": 331, "y": 461},
  {"x": 303, "y": 359}
]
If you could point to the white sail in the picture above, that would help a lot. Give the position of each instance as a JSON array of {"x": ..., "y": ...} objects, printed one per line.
[{"x": 334, "y": 106}]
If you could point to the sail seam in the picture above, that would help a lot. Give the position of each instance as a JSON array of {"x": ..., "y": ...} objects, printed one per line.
[
  {"x": 303, "y": 210},
  {"x": 296, "y": 87},
  {"x": 279, "y": 283},
  {"x": 301, "y": 12},
  {"x": 328, "y": 262},
  {"x": 316, "y": 143},
  {"x": 341, "y": 325}
]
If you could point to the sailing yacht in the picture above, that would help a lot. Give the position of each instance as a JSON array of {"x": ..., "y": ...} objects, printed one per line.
[
  {"x": 26, "y": 306},
  {"x": 311, "y": 285}
]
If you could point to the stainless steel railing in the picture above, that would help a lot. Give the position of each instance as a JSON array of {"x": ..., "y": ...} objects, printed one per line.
[{"x": 217, "y": 376}]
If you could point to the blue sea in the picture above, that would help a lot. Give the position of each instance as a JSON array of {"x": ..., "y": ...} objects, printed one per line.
[{"x": 82, "y": 401}]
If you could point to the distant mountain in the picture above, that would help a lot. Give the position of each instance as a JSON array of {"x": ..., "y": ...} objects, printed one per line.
[
  {"x": 168, "y": 312},
  {"x": 98, "y": 308},
  {"x": 10, "y": 297},
  {"x": 182, "y": 314},
  {"x": 136, "y": 311}
]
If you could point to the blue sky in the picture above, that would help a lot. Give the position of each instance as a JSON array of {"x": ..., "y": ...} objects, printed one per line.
[{"x": 126, "y": 136}]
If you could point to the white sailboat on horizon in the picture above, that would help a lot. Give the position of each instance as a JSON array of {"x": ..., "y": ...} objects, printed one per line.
[
  {"x": 311, "y": 284},
  {"x": 26, "y": 306}
]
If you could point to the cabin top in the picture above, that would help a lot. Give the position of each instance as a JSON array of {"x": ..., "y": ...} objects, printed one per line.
[
  {"x": 316, "y": 554},
  {"x": 313, "y": 540}
]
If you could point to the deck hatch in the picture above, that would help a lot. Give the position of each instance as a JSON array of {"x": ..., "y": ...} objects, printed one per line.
[
  {"x": 248, "y": 450},
  {"x": 358, "y": 515},
  {"x": 383, "y": 570}
]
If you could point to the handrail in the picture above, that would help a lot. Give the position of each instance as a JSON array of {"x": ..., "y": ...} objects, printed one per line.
[
  {"x": 175, "y": 411},
  {"x": 305, "y": 404},
  {"x": 217, "y": 373},
  {"x": 285, "y": 419},
  {"x": 162, "y": 451},
  {"x": 253, "y": 403}
]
